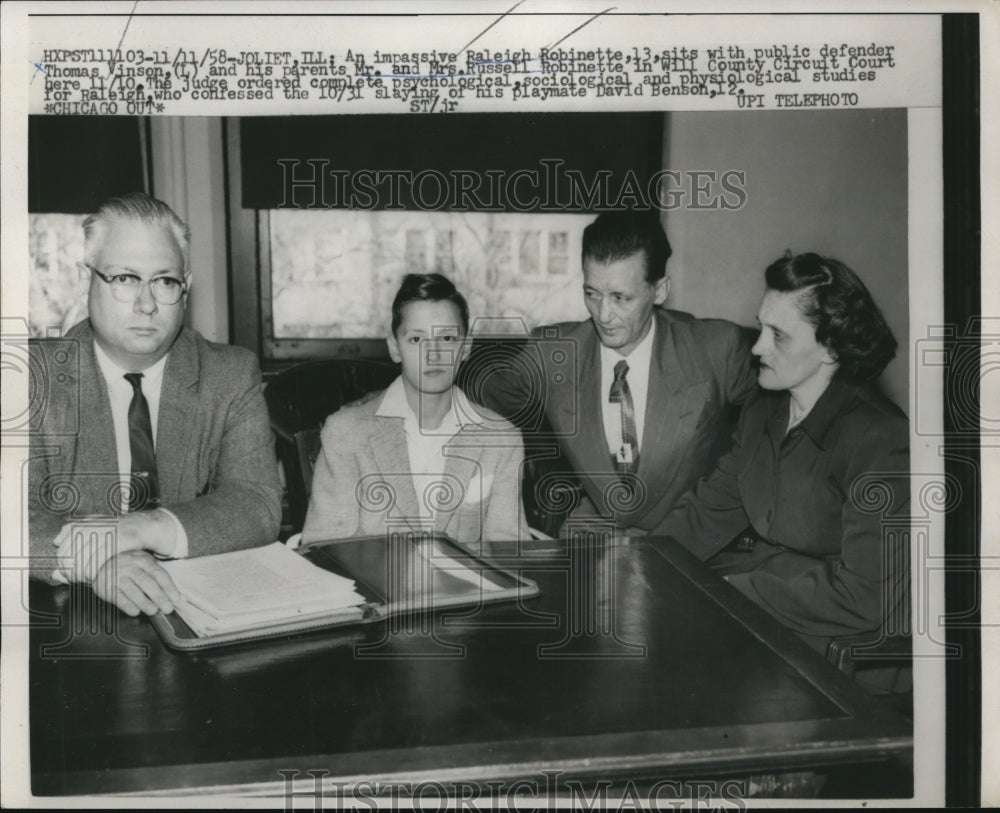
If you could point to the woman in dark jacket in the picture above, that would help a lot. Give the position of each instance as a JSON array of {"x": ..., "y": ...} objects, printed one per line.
[{"x": 819, "y": 466}]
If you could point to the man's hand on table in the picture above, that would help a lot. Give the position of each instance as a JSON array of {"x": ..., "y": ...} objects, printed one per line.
[
  {"x": 81, "y": 554},
  {"x": 136, "y": 583}
]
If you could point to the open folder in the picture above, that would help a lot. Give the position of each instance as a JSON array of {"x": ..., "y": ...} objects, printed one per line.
[{"x": 273, "y": 591}]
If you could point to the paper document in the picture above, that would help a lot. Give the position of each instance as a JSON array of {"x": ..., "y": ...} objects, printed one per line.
[{"x": 245, "y": 589}]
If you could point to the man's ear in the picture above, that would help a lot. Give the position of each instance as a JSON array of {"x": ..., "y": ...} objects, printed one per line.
[
  {"x": 394, "y": 354},
  {"x": 83, "y": 276},
  {"x": 463, "y": 354},
  {"x": 79, "y": 307},
  {"x": 187, "y": 285},
  {"x": 661, "y": 289}
]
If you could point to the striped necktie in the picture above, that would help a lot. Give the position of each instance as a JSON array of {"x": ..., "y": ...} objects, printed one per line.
[
  {"x": 627, "y": 457},
  {"x": 145, "y": 491}
]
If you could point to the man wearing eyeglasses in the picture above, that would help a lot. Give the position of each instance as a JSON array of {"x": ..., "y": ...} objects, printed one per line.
[{"x": 148, "y": 429}]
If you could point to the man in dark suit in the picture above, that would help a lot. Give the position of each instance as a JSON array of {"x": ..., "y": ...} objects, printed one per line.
[
  {"x": 150, "y": 434},
  {"x": 641, "y": 398}
]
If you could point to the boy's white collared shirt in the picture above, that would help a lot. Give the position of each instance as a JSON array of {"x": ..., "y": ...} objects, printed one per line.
[{"x": 425, "y": 447}]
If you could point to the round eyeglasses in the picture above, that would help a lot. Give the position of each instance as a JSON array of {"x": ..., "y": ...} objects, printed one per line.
[{"x": 126, "y": 287}]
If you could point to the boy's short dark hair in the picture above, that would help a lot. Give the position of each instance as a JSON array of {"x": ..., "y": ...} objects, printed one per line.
[
  {"x": 614, "y": 236},
  {"x": 428, "y": 288}
]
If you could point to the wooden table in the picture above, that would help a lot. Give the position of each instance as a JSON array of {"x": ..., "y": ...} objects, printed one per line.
[{"x": 635, "y": 663}]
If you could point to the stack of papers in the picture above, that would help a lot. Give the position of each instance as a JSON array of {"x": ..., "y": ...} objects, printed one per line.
[{"x": 256, "y": 588}]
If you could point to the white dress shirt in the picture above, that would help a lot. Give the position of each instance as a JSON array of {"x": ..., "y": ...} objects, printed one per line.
[
  {"x": 638, "y": 383},
  {"x": 425, "y": 447},
  {"x": 120, "y": 394}
]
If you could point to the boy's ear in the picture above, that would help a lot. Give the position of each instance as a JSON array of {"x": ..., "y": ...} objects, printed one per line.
[
  {"x": 463, "y": 354},
  {"x": 394, "y": 354}
]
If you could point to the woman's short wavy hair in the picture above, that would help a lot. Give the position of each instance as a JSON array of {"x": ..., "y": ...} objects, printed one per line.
[{"x": 838, "y": 305}]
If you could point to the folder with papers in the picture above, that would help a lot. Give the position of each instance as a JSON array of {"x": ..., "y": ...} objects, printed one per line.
[{"x": 274, "y": 591}]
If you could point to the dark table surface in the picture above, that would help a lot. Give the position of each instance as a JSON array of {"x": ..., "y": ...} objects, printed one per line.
[{"x": 634, "y": 662}]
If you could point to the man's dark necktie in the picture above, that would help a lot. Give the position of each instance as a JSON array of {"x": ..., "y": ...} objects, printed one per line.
[
  {"x": 627, "y": 458},
  {"x": 145, "y": 493}
]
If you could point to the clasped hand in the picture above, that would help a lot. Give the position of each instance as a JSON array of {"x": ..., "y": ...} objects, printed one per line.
[{"x": 116, "y": 559}]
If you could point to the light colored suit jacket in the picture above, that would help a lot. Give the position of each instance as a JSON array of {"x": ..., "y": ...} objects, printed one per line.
[
  {"x": 699, "y": 372},
  {"x": 214, "y": 447},
  {"x": 362, "y": 483}
]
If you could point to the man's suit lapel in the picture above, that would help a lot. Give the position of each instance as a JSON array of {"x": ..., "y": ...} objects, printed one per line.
[
  {"x": 672, "y": 402},
  {"x": 593, "y": 446},
  {"x": 581, "y": 419},
  {"x": 177, "y": 418},
  {"x": 96, "y": 461},
  {"x": 388, "y": 446}
]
